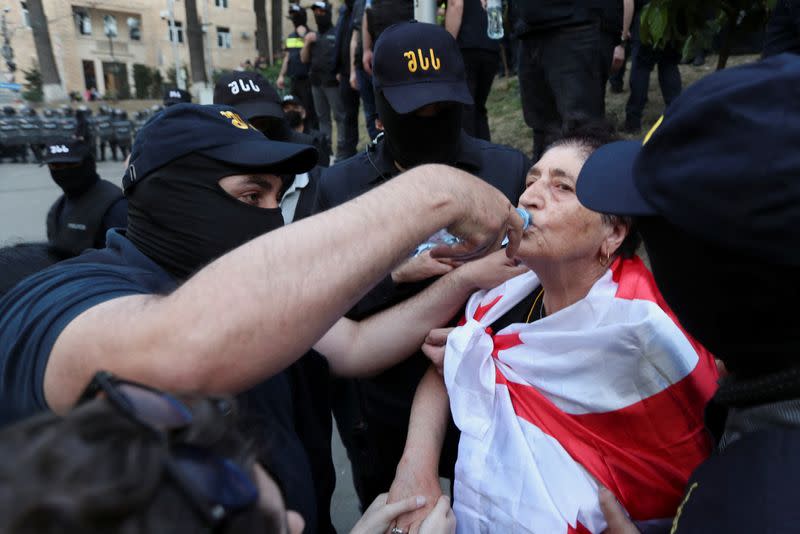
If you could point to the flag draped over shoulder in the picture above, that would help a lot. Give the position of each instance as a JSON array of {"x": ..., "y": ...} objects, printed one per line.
[{"x": 609, "y": 390}]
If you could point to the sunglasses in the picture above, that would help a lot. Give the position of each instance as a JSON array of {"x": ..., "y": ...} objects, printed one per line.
[{"x": 214, "y": 485}]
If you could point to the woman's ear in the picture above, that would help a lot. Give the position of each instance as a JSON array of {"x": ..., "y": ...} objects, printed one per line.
[{"x": 618, "y": 231}]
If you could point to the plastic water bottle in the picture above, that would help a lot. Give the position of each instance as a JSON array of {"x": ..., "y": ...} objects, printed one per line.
[
  {"x": 494, "y": 11},
  {"x": 443, "y": 237}
]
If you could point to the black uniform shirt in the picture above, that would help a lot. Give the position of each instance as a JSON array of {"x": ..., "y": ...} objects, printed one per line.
[{"x": 501, "y": 166}]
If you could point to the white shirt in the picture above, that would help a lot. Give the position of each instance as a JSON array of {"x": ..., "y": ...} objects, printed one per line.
[{"x": 292, "y": 196}]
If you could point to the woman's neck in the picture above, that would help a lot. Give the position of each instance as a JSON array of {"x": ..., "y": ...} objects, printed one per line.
[{"x": 564, "y": 285}]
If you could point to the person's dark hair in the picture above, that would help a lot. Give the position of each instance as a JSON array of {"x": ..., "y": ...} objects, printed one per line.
[
  {"x": 22, "y": 260},
  {"x": 587, "y": 135},
  {"x": 97, "y": 471}
]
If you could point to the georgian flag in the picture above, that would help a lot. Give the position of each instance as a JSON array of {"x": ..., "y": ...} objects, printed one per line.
[{"x": 609, "y": 390}]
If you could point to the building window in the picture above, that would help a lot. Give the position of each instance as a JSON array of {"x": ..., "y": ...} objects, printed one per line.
[
  {"x": 221, "y": 3},
  {"x": 26, "y": 19},
  {"x": 83, "y": 21},
  {"x": 178, "y": 36},
  {"x": 134, "y": 29},
  {"x": 223, "y": 37},
  {"x": 109, "y": 25}
]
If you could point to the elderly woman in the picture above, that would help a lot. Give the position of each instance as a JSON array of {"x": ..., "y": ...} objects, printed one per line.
[{"x": 562, "y": 380}]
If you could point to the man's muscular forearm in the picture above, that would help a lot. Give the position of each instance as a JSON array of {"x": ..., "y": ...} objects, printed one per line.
[{"x": 255, "y": 310}]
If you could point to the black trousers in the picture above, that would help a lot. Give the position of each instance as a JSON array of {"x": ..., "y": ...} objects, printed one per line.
[
  {"x": 481, "y": 66},
  {"x": 563, "y": 74},
  {"x": 302, "y": 89},
  {"x": 348, "y": 144},
  {"x": 643, "y": 59}
]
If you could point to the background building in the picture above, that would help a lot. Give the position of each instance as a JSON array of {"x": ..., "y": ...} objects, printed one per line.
[{"x": 96, "y": 44}]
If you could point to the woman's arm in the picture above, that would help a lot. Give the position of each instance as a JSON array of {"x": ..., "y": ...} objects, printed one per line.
[
  {"x": 361, "y": 348},
  {"x": 418, "y": 470}
]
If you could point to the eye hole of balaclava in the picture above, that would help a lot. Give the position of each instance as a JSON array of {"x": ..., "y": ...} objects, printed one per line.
[{"x": 180, "y": 216}]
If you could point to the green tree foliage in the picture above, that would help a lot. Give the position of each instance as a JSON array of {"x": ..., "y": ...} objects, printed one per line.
[
  {"x": 33, "y": 85},
  {"x": 142, "y": 80},
  {"x": 694, "y": 24}
]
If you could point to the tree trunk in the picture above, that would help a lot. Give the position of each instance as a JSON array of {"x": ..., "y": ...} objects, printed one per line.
[
  {"x": 262, "y": 34},
  {"x": 51, "y": 81},
  {"x": 194, "y": 36},
  {"x": 277, "y": 29}
]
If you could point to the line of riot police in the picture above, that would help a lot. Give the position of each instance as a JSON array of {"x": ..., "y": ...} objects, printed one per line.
[{"x": 24, "y": 132}]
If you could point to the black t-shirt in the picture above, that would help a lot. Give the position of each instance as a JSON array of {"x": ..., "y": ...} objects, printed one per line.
[
  {"x": 474, "y": 25},
  {"x": 544, "y": 15},
  {"x": 35, "y": 312},
  {"x": 385, "y": 13}
]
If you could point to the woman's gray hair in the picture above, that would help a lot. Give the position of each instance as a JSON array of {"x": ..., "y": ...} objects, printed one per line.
[{"x": 587, "y": 135}]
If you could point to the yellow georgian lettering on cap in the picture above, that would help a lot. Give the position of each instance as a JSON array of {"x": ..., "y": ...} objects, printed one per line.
[
  {"x": 424, "y": 62},
  {"x": 412, "y": 60},
  {"x": 418, "y": 60},
  {"x": 653, "y": 130},
  {"x": 236, "y": 120},
  {"x": 435, "y": 62}
]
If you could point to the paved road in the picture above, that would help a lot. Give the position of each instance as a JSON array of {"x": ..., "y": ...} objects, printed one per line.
[{"x": 26, "y": 193}]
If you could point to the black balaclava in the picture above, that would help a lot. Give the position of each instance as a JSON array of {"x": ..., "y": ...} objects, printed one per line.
[
  {"x": 414, "y": 140},
  {"x": 733, "y": 304},
  {"x": 274, "y": 128},
  {"x": 75, "y": 181},
  {"x": 299, "y": 18},
  {"x": 294, "y": 118},
  {"x": 182, "y": 219},
  {"x": 324, "y": 21}
]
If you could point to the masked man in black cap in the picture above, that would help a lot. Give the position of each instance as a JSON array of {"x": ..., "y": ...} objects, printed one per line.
[
  {"x": 259, "y": 103},
  {"x": 319, "y": 50},
  {"x": 420, "y": 88},
  {"x": 194, "y": 298},
  {"x": 173, "y": 96},
  {"x": 89, "y": 207},
  {"x": 293, "y": 66},
  {"x": 716, "y": 192}
]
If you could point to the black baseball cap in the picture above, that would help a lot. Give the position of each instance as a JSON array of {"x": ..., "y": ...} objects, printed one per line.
[
  {"x": 416, "y": 64},
  {"x": 174, "y": 96},
  {"x": 295, "y": 8},
  {"x": 722, "y": 164},
  {"x": 66, "y": 151},
  {"x": 249, "y": 93},
  {"x": 217, "y": 132},
  {"x": 321, "y": 5},
  {"x": 291, "y": 99}
]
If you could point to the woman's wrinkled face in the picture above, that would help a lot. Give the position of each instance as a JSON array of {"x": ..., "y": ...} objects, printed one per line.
[{"x": 562, "y": 231}]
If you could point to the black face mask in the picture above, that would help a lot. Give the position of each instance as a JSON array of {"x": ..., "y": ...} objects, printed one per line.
[
  {"x": 324, "y": 22},
  {"x": 299, "y": 20},
  {"x": 414, "y": 140},
  {"x": 730, "y": 303},
  {"x": 274, "y": 128},
  {"x": 75, "y": 181},
  {"x": 182, "y": 219},
  {"x": 294, "y": 118}
]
